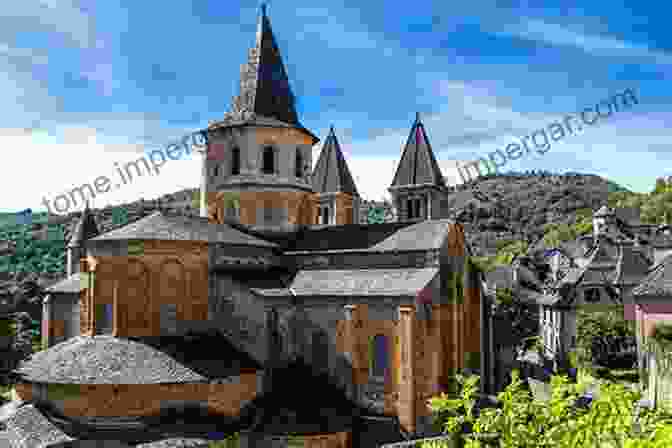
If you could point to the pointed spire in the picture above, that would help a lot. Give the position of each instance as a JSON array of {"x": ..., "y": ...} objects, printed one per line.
[
  {"x": 264, "y": 84},
  {"x": 418, "y": 165},
  {"x": 85, "y": 228},
  {"x": 331, "y": 174}
]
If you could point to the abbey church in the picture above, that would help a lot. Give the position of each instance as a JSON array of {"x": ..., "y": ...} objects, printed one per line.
[{"x": 275, "y": 311}]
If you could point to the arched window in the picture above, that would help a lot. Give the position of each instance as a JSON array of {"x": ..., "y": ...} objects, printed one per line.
[
  {"x": 268, "y": 160},
  {"x": 235, "y": 161},
  {"x": 379, "y": 356},
  {"x": 298, "y": 164},
  {"x": 320, "y": 347}
]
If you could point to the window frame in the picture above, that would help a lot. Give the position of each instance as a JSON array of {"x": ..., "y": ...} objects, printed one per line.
[
  {"x": 373, "y": 361},
  {"x": 298, "y": 164},
  {"x": 235, "y": 161},
  {"x": 268, "y": 149},
  {"x": 108, "y": 316}
]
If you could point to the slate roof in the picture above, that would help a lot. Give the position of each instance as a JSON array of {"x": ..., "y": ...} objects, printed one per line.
[
  {"x": 658, "y": 282},
  {"x": 350, "y": 236},
  {"x": 72, "y": 284},
  {"x": 104, "y": 359},
  {"x": 369, "y": 282},
  {"x": 425, "y": 235},
  {"x": 86, "y": 228},
  {"x": 78, "y": 443},
  {"x": 176, "y": 442},
  {"x": 331, "y": 173},
  {"x": 418, "y": 165},
  {"x": 264, "y": 85},
  {"x": 28, "y": 428},
  {"x": 632, "y": 267},
  {"x": 500, "y": 277},
  {"x": 163, "y": 226}
]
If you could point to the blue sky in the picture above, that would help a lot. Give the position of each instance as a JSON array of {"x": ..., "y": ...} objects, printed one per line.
[{"x": 86, "y": 84}]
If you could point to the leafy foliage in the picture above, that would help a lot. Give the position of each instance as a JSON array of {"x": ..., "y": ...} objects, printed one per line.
[
  {"x": 568, "y": 419},
  {"x": 602, "y": 323},
  {"x": 655, "y": 207}
]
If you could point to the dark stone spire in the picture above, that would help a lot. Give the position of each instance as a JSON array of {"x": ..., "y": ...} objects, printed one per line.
[
  {"x": 85, "y": 228},
  {"x": 418, "y": 165},
  {"x": 264, "y": 85},
  {"x": 331, "y": 174}
]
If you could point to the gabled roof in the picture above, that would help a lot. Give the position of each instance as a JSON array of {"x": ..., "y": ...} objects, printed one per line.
[
  {"x": 264, "y": 84},
  {"x": 369, "y": 282},
  {"x": 163, "y": 226},
  {"x": 331, "y": 172},
  {"x": 425, "y": 235},
  {"x": 349, "y": 236},
  {"x": 658, "y": 281},
  {"x": 85, "y": 228},
  {"x": 418, "y": 165}
]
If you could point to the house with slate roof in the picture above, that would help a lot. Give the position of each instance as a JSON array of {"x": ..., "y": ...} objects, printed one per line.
[
  {"x": 653, "y": 305},
  {"x": 598, "y": 271},
  {"x": 274, "y": 311}
]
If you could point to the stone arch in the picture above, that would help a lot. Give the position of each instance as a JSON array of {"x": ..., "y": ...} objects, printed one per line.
[
  {"x": 380, "y": 356},
  {"x": 173, "y": 279},
  {"x": 138, "y": 297}
]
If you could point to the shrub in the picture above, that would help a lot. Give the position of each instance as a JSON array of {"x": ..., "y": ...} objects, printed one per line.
[{"x": 569, "y": 419}]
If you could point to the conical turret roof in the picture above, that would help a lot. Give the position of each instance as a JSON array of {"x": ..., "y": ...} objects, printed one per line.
[
  {"x": 418, "y": 166},
  {"x": 331, "y": 174},
  {"x": 264, "y": 84}
]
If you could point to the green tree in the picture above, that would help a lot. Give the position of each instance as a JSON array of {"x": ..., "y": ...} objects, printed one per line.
[{"x": 567, "y": 420}]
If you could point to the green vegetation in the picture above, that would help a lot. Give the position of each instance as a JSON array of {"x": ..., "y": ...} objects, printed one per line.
[
  {"x": 507, "y": 251},
  {"x": 566, "y": 420},
  {"x": 655, "y": 207},
  {"x": 600, "y": 321},
  {"x": 33, "y": 255},
  {"x": 555, "y": 234}
]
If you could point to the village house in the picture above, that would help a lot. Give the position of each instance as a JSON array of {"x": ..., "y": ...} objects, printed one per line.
[
  {"x": 274, "y": 311},
  {"x": 596, "y": 271}
]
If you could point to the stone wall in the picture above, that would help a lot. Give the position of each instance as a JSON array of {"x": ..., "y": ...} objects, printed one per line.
[
  {"x": 133, "y": 400},
  {"x": 163, "y": 273}
]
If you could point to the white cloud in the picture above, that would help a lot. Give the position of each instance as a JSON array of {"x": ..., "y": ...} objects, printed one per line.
[
  {"x": 539, "y": 30},
  {"x": 49, "y": 169}
]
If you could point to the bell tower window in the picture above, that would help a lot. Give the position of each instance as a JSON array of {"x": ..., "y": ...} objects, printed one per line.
[
  {"x": 268, "y": 162},
  {"x": 298, "y": 164},
  {"x": 235, "y": 161}
]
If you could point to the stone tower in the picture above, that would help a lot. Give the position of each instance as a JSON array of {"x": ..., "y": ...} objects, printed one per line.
[
  {"x": 418, "y": 189},
  {"x": 259, "y": 157},
  {"x": 337, "y": 196}
]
